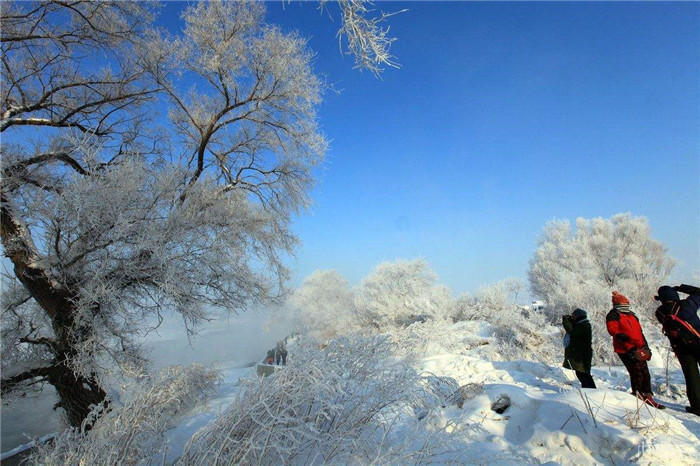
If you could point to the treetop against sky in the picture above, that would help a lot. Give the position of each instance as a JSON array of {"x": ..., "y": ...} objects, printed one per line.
[{"x": 502, "y": 117}]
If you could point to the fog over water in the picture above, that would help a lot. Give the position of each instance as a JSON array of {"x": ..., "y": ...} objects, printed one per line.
[{"x": 229, "y": 341}]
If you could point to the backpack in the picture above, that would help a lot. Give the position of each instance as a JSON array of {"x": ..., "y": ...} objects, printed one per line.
[{"x": 677, "y": 329}]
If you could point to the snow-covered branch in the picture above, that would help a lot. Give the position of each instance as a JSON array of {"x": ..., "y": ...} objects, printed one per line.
[{"x": 367, "y": 39}]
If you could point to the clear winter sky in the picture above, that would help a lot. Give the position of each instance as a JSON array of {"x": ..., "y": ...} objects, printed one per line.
[{"x": 502, "y": 117}]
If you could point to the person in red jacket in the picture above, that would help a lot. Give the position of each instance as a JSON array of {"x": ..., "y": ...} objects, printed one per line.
[{"x": 631, "y": 346}]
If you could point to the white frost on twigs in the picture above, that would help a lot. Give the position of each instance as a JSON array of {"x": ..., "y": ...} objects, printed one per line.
[
  {"x": 134, "y": 432},
  {"x": 367, "y": 39},
  {"x": 339, "y": 404}
]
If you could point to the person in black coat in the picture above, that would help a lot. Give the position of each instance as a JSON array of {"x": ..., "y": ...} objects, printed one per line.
[
  {"x": 679, "y": 318},
  {"x": 281, "y": 353},
  {"x": 578, "y": 353}
]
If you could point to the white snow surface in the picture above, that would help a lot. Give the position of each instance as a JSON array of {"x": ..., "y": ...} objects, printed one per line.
[{"x": 548, "y": 421}]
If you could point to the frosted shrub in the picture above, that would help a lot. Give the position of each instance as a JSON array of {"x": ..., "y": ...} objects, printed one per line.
[
  {"x": 463, "y": 309},
  {"x": 519, "y": 334},
  {"x": 580, "y": 268},
  {"x": 438, "y": 337},
  {"x": 399, "y": 293},
  {"x": 339, "y": 404},
  {"x": 323, "y": 306},
  {"x": 132, "y": 433},
  {"x": 531, "y": 337},
  {"x": 489, "y": 300}
]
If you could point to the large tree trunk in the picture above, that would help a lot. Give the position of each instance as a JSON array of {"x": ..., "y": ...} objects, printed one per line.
[{"x": 77, "y": 393}]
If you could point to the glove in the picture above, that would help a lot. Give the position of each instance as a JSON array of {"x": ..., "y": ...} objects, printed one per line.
[
  {"x": 567, "y": 322},
  {"x": 643, "y": 354}
]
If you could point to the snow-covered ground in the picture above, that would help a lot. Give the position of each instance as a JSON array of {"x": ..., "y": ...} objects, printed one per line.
[{"x": 550, "y": 420}]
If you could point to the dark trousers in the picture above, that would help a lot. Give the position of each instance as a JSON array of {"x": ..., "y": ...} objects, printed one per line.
[
  {"x": 281, "y": 357},
  {"x": 689, "y": 364},
  {"x": 585, "y": 379},
  {"x": 640, "y": 380}
]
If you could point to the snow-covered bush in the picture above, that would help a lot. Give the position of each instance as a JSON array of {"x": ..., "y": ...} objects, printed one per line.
[
  {"x": 581, "y": 268},
  {"x": 488, "y": 300},
  {"x": 134, "y": 432},
  {"x": 463, "y": 308},
  {"x": 340, "y": 404},
  {"x": 519, "y": 334},
  {"x": 440, "y": 337},
  {"x": 399, "y": 293},
  {"x": 323, "y": 306}
]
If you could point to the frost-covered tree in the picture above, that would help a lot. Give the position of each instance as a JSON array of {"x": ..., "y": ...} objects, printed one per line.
[
  {"x": 323, "y": 305},
  {"x": 581, "y": 268},
  {"x": 401, "y": 292},
  {"x": 145, "y": 172},
  {"x": 488, "y": 300},
  {"x": 500, "y": 296},
  {"x": 142, "y": 173}
]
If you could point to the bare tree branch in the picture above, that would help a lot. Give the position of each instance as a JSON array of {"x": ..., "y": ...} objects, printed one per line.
[
  {"x": 11, "y": 383},
  {"x": 40, "y": 159}
]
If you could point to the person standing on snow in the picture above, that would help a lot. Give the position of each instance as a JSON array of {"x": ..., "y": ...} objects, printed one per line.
[
  {"x": 578, "y": 353},
  {"x": 270, "y": 358},
  {"x": 281, "y": 353},
  {"x": 631, "y": 346},
  {"x": 681, "y": 325}
]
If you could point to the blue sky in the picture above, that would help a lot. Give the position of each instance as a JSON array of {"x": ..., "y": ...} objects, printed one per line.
[{"x": 502, "y": 117}]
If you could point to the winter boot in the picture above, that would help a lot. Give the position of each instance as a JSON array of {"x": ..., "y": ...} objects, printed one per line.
[
  {"x": 650, "y": 401},
  {"x": 691, "y": 410}
]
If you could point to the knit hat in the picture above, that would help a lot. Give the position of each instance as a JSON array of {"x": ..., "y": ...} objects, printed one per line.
[
  {"x": 666, "y": 293},
  {"x": 618, "y": 298},
  {"x": 579, "y": 314}
]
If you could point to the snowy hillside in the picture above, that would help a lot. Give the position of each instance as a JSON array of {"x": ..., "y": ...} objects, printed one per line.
[{"x": 550, "y": 420}]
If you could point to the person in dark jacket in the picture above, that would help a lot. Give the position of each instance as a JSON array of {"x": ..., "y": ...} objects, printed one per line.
[
  {"x": 679, "y": 318},
  {"x": 631, "y": 346},
  {"x": 578, "y": 353},
  {"x": 281, "y": 353}
]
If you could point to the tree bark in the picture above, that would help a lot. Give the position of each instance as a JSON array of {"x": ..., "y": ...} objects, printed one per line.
[{"x": 77, "y": 393}]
